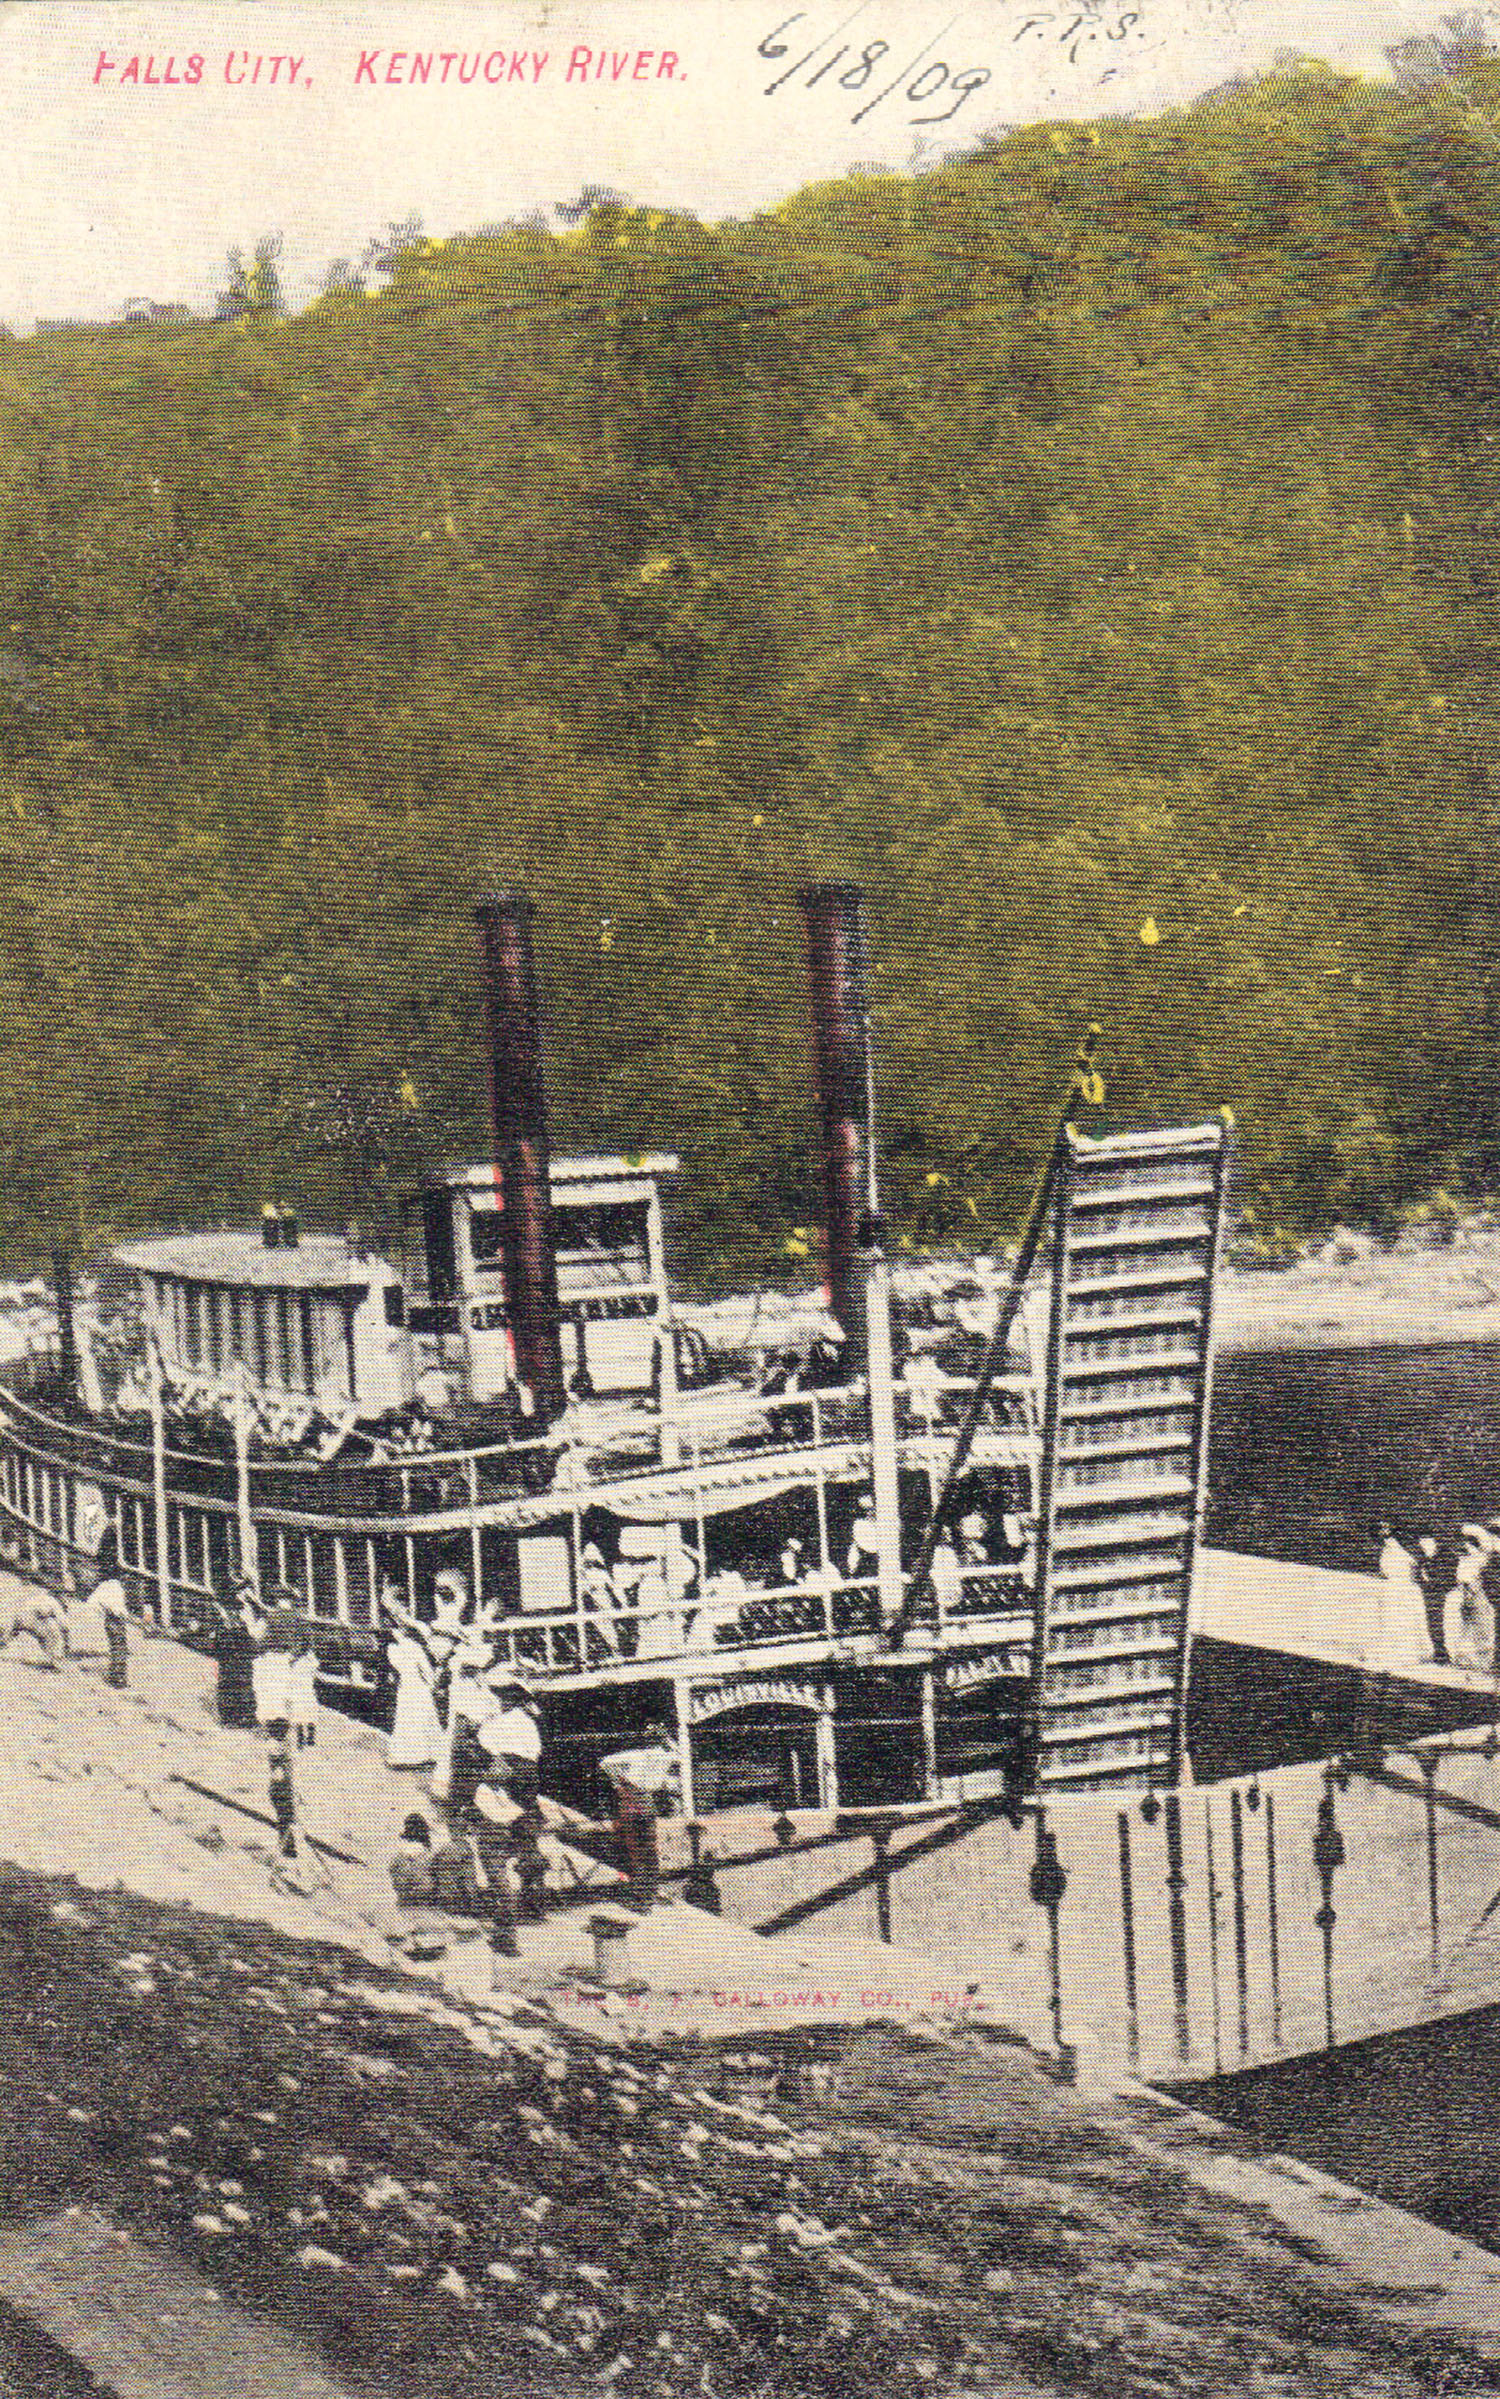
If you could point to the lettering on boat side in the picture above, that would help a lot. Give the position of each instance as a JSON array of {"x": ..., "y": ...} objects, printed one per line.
[{"x": 711, "y": 1699}]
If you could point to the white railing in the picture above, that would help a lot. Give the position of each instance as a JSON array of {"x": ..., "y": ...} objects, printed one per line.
[
  {"x": 605, "y": 1638},
  {"x": 731, "y": 1439}
]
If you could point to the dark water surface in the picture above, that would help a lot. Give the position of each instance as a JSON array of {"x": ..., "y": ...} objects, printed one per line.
[
  {"x": 1310, "y": 1448},
  {"x": 1413, "y": 2116}
]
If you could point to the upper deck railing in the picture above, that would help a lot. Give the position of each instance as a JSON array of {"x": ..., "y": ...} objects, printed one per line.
[
  {"x": 723, "y": 1434},
  {"x": 330, "y": 1535}
]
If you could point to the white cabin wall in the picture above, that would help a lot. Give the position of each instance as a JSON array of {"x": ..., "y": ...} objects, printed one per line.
[
  {"x": 488, "y": 1356},
  {"x": 378, "y": 1350}
]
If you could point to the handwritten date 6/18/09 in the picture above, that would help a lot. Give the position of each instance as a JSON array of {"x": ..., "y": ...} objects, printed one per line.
[{"x": 864, "y": 68}]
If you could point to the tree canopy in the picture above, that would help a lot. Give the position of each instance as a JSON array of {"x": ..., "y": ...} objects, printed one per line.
[{"x": 1088, "y": 546}]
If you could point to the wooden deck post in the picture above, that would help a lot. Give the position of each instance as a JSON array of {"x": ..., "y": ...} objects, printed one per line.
[
  {"x": 828, "y": 1781},
  {"x": 242, "y": 1472},
  {"x": 682, "y": 1695},
  {"x": 159, "y": 1482},
  {"x": 929, "y": 1735}
]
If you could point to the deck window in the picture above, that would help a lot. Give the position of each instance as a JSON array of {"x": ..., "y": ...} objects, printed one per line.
[
  {"x": 323, "y": 1549},
  {"x": 333, "y": 1365},
  {"x": 320, "y": 1357},
  {"x": 359, "y": 1573},
  {"x": 268, "y": 1556},
  {"x": 217, "y": 1559},
  {"x": 179, "y": 1564},
  {"x": 145, "y": 1537}
]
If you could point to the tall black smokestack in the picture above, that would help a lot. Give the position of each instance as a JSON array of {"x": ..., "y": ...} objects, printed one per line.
[
  {"x": 522, "y": 1170},
  {"x": 837, "y": 955}
]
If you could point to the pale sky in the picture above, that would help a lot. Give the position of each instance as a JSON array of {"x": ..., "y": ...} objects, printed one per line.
[{"x": 118, "y": 182}]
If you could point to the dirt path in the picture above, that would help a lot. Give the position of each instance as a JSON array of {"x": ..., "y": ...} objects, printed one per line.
[{"x": 91, "y": 1785}]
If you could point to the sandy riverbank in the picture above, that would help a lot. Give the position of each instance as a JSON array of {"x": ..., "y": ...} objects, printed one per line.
[
  {"x": 1352, "y": 1293},
  {"x": 1347, "y": 1292}
]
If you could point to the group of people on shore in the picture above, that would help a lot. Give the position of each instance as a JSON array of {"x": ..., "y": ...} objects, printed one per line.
[
  {"x": 1440, "y": 1596},
  {"x": 463, "y": 1715},
  {"x": 474, "y": 1730}
]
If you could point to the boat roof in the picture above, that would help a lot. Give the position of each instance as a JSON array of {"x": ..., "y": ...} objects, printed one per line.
[
  {"x": 319, "y": 1262},
  {"x": 639, "y": 1171}
]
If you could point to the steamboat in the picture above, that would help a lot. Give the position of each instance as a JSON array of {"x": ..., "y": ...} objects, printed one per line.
[{"x": 861, "y": 1564}]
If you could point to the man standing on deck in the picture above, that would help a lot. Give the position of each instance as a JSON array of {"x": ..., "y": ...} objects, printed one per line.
[{"x": 1436, "y": 1566}]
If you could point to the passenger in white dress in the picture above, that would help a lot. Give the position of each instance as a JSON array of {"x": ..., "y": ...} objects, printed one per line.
[
  {"x": 270, "y": 1675},
  {"x": 416, "y": 1735},
  {"x": 1403, "y": 1638},
  {"x": 1468, "y": 1619}
]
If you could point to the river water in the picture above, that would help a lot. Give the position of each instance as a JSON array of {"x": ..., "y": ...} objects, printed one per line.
[
  {"x": 1412, "y": 2116},
  {"x": 1310, "y": 1450}
]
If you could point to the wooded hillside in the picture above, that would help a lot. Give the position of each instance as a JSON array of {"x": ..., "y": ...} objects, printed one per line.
[{"x": 1088, "y": 546}]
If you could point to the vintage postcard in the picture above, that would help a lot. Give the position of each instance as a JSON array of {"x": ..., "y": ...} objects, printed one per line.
[{"x": 749, "y": 1198}]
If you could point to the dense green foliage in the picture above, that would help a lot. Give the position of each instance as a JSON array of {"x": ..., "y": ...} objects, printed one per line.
[{"x": 1096, "y": 535}]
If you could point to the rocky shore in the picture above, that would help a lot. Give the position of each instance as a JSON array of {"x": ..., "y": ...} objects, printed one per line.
[{"x": 874, "y": 2211}]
